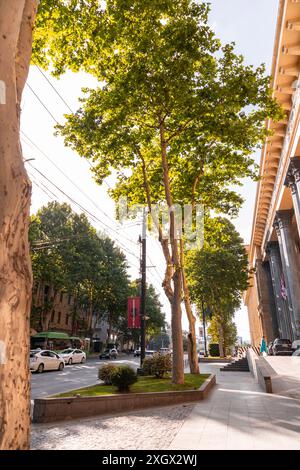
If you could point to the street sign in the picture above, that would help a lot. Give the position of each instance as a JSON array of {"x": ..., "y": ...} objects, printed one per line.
[{"x": 134, "y": 312}]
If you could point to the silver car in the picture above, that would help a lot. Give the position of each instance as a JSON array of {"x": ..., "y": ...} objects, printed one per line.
[
  {"x": 41, "y": 360},
  {"x": 73, "y": 356}
]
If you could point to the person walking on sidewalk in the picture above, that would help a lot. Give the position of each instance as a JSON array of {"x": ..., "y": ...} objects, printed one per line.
[{"x": 263, "y": 347}]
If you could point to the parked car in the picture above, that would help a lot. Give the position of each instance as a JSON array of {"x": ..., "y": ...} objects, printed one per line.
[
  {"x": 296, "y": 344},
  {"x": 165, "y": 350},
  {"x": 269, "y": 347},
  {"x": 73, "y": 356},
  {"x": 109, "y": 354},
  {"x": 282, "y": 347},
  {"x": 201, "y": 354},
  {"x": 296, "y": 353},
  {"x": 41, "y": 360},
  {"x": 148, "y": 352}
]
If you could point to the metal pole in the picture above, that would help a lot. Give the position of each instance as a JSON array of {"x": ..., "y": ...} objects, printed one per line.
[
  {"x": 204, "y": 332},
  {"x": 143, "y": 290}
]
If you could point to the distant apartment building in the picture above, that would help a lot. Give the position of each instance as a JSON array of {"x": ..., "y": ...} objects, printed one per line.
[
  {"x": 54, "y": 310},
  {"x": 273, "y": 299}
]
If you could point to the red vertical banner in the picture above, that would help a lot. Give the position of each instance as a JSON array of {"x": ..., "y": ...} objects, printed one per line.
[{"x": 134, "y": 312}]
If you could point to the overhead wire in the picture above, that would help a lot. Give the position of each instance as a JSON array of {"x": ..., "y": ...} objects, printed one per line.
[{"x": 70, "y": 180}]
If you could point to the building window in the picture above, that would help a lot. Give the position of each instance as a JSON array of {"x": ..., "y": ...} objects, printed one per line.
[
  {"x": 59, "y": 317},
  {"x": 67, "y": 319},
  {"x": 69, "y": 299},
  {"x": 61, "y": 296},
  {"x": 52, "y": 316}
]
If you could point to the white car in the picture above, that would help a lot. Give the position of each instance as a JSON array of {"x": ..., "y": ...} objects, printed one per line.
[
  {"x": 73, "y": 356},
  {"x": 148, "y": 352},
  {"x": 41, "y": 360},
  {"x": 201, "y": 354},
  {"x": 165, "y": 351}
]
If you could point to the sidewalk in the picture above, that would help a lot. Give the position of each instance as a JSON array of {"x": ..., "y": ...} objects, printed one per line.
[
  {"x": 286, "y": 378},
  {"x": 238, "y": 415}
]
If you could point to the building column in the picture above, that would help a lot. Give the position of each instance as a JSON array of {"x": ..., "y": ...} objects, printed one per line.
[
  {"x": 292, "y": 181},
  {"x": 281, "y": 303},
  {"x": 266, "y": 304},
  {"x": 291, "y": 264}
]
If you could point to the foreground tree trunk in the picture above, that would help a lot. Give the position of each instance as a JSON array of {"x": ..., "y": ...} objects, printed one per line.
[
  {"x": 16, "y": 22},
  {"x": 192, "y": 340}
]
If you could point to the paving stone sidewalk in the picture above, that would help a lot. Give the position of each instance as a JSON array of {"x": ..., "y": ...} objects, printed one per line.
[
  {"x": 149, "y": 429},
  {"x": 237, "y": 415}
]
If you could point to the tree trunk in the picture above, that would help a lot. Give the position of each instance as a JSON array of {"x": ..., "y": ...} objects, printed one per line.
[
  {"x": 47, "y": 309},
  {"x": 16, "y": 20},
  {"x": 90, "y": 313},
  {"x": 192, "y": 340},
  {"x": 175, "y": 299},
  {"x": 221, "y": 340},
  {"x": 109, "y": 329}
]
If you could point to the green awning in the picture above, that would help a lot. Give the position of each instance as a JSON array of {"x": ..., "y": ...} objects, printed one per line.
[
  {"x": 74, "y": 337},
  {"x": 52, "y": 335}
]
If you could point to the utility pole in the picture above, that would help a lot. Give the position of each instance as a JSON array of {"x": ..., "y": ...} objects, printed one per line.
[
  {"x": 143, "y": 288},
  {"x": 204, "y": 332}
]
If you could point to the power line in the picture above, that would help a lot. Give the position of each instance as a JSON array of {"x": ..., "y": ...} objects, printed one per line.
[
  {"x": 49, "y": 112},
  {"x": 65, "y": 175},
  {"x": 39, "y": 187},
  {"x": 50, "y": 243},
  {"x": 79, "y": 189},
  {"x": 54, "y": 88},
  {"x": 81, "y": 208},
  {"x": 44, "y": 106}
]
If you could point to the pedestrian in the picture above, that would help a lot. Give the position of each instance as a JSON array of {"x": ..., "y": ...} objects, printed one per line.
[{"x": 263, "y": 347}]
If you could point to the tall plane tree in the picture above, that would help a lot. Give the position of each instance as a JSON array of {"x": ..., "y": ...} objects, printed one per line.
[
  {"x": 218, "y": 274},
  {"x": 16, "y": 22},
  {"x": 176, "y": 117},
  {"x": 17, "y": 18}
]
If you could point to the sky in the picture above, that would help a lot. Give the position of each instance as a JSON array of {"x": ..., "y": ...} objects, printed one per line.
[{"x": 251, "y": 25}]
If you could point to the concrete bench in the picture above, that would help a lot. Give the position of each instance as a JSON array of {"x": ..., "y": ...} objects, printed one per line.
[{"x": 264, "y": 378}]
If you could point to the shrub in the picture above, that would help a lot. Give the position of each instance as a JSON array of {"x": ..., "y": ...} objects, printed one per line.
[
  {"x": 123, "y": 377},
  {"x": 214, "y": 350},
  {"x": 105, "y": 373},
  {"x": 158, "y": 365},
  {"x": 148, "y": 365}
]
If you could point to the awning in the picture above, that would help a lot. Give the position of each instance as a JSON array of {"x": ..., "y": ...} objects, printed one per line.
[{"x": 52, "y": 335}]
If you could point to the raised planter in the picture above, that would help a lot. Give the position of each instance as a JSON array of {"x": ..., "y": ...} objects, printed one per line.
[
  {"x": 58, "y": 409},
  {"x": 221, "y": 360}
]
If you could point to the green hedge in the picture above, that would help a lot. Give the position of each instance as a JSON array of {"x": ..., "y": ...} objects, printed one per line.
[{"x": 214, "y": 350}]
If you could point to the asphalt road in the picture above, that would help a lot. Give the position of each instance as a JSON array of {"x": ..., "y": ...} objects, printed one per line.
[{"x": 72, "y": 377}]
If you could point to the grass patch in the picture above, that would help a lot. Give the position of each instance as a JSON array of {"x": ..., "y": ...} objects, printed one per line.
[{"x": 144, "y": 384}]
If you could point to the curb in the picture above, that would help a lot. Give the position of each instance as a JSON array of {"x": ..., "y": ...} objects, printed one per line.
[{"x": 60, "y": 409}]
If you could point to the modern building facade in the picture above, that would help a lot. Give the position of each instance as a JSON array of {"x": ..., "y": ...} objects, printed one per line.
[{"x": 273, "y": 298}]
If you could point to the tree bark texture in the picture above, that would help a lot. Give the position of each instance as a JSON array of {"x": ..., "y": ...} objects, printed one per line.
[
  {"x": 221, "y": 340},
  {"x": 16, "y": 24},
  {"x": 175, "y": 299},
  {"x": 192, "y": 340}
]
